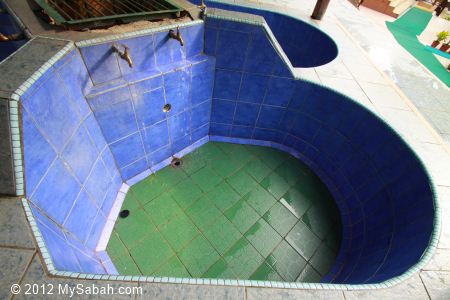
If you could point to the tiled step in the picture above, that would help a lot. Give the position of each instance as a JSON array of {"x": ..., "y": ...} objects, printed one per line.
[
  {"x": 403, "y": 6},
  {"x": 392, "y": 8}
]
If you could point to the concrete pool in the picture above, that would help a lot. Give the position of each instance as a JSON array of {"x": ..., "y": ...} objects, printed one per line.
[{"x": 352, "y": 151}]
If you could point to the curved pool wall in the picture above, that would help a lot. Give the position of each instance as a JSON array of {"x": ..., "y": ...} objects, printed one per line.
[
  {"x": 383, "y": 192},
  {"x": 305, "y": 45},
  {"x": 85, "y": 132}
]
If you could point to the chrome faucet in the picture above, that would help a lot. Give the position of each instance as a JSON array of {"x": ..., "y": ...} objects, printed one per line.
[
  {"x": 176, "y": 36},
  {"x": 202, "y": 5},
  {"x": 125, "y": 55}
]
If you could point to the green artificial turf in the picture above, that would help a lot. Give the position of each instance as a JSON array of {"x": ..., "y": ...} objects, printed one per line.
[{"x": 405, "y": 30}]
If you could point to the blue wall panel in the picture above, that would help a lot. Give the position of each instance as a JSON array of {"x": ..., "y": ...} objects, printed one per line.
[
  {"x": 130, "y": 112},
  {"x": 70, "y": 174},
  {"x": 305, "y": 45}
]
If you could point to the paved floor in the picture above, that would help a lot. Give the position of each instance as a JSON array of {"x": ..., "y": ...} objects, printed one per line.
[{"x": 364, "y": 50}]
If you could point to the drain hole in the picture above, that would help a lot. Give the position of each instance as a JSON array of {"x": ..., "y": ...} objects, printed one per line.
[
  {"x": 176, "y": 162},
  {"x": 124, "y": 213},
  {"x": 167, "y": 107}
]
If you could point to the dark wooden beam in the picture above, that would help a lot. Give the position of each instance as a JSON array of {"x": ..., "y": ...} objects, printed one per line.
[{"x": 320, "y": 9}]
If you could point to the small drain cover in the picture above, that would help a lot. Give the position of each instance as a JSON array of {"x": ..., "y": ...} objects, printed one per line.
[
  {"x": 167, "y": 108},
  {"x": 176, "y": 162},
  {"x": 124, "y": 213}
]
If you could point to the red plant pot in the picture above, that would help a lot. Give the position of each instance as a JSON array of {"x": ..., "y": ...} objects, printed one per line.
[
  {"x": 434, "y": 44},
  {"x": 444, "y": 47}
]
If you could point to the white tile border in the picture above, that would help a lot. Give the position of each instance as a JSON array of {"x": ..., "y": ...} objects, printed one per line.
[
  {"x": 133, "y": 34},
  {"x": 111, "y": 220}
]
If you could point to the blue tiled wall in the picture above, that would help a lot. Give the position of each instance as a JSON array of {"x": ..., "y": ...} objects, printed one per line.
[
  {"x": 130, "y": 113},
  {"x": 70, "y": 174},
  {"x": 380, "y": 186},
  {"x": 305, "y": 45},
  {"x": 148, "y": 52},
  {"x": 240, "y": 89}
]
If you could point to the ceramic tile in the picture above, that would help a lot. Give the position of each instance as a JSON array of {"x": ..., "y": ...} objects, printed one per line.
[
  {"x": 229, "y": 49},
  {"x": 222, "y": 234},
  {"x": 242, "y": 216},
  {"x": 263, "y": 237},
  {"x": 55, "y": 116},
  {"x": 280, "y": 218},
  {"x": 323, "y": 259},
  {"x": 241, "y": 182},
  {"x": 243, "y": 259},
  {"x": 260, "y": 199},
  {"x": 198, "y": 256},
  {"x": 134, "y": 228},
  {"x": 148, "y": 189},
  {"x": 203, "y": 213},
  {"x": 253, "y": 87},
  {"x": 267, "y": 273},
  {"x": 163, "y": 209},
  {"x": 186, "y": 193},
  {"x": 149, "y": 107},
  {"x": 56, "y": 200},
  {"x": 155, "y": 247},
  {"x": 103, "y": 55},
  {"x": 179, "y": 232},
  {"x": 308, "y": 274},
  {"x": 303, "y": 240},
  {"x": 246, "y": 114},
  {"x": 223, "y": 196},
  {"x": 38, "y": 154},
  {"x": 83, "y": 209},
  {"x": 174, "y": 268},
  {"x": 286, "y": 261},
  {"x": 220, "y": 269},
  {"x": 155, "y": 136},
  {"x": 275, "y": 185},
  {"x": 229, "y": 79},
  {"x": 206, "y": 178}
]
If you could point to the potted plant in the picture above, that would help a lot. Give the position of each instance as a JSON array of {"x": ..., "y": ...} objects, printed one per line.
[
  {"x": 445, "y": 46},
  {"x": 441, "y": 36}
]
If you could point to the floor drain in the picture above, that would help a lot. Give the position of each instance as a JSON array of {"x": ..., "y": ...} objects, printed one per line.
[
  {"x": 167, "y": 108},
  {"x": 176, "y": 162},
  {"x": 124, "y": 213}
]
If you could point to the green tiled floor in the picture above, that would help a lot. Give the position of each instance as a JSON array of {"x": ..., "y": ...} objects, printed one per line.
[{"x": 230, "y": 211}]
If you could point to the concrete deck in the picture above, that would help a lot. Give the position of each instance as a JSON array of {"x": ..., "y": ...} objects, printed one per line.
[{"x": 372, "y": 69}]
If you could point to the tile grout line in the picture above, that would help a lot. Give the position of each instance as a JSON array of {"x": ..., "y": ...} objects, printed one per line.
[
  {"x": 424, "y": 286},
  {"x": 25, "y": 271}
]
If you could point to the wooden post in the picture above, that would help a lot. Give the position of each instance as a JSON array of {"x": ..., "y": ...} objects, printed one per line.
[{"x": 320, "y": 9}]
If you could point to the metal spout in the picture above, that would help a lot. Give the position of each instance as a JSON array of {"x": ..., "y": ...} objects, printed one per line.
[
  {"x": 125, "y": 55},
  {"x": 202, "y": 5},
  {"x": 176, "y": 36}
]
